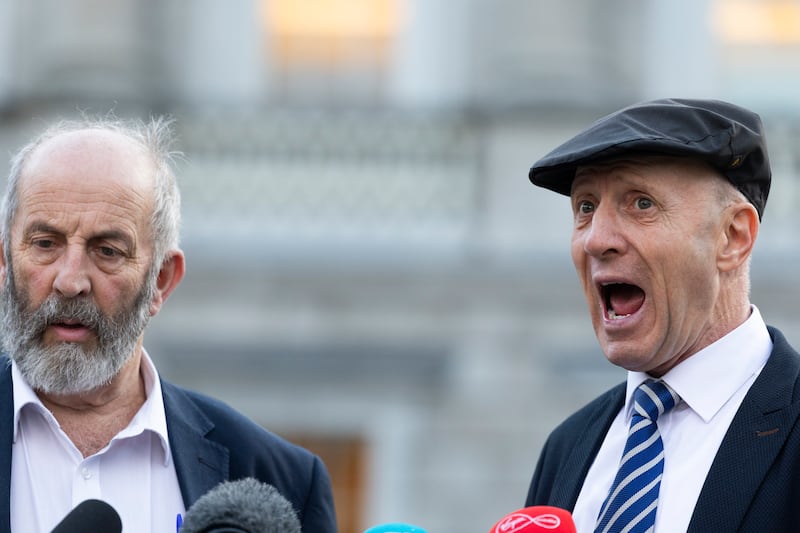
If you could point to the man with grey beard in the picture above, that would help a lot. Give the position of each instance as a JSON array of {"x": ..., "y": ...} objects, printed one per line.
[{"x": 90, "y": 253}]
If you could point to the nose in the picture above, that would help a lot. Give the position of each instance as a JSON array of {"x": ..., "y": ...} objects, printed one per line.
[
  {"x": 603, "y": 236},
  {"x": 72, "y": 277}
]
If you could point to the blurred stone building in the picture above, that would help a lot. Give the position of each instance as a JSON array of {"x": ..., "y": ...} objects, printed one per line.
[{"x": 369, "y": 271}]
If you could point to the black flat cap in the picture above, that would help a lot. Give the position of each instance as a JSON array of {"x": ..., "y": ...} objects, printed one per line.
[{"x": 727, "y": 136}]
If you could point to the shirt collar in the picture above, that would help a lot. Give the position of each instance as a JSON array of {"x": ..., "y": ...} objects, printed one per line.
[
  {"x": 150, "y": 417},
  {"x": 708, "y": 379}
]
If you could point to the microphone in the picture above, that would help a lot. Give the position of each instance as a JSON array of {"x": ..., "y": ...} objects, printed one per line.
[
  {"x": 90, "y": 515},
  {"x": 395, "y": 527},
  {"x": 536, "y": 519},
  {"x": 241, "y": 506}
]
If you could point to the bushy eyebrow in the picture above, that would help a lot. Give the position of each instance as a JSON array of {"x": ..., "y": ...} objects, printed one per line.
[
  {"x": 114, "y": 235},
  {"x": 40, "y": 227},
  {"x": 111, "y": 235}
]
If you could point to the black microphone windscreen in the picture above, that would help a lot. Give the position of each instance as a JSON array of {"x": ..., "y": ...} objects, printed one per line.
[
  {"x": 90, "y": 515},
  {"x": 241, "y": 506}
]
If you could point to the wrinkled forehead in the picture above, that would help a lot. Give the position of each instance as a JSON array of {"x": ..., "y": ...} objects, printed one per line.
[
  {"x": 655, "y": 167},
  {"x": 85, "y": 175}
]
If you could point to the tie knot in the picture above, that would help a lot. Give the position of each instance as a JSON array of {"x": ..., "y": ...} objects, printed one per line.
[{"x": 654, "y": 398}]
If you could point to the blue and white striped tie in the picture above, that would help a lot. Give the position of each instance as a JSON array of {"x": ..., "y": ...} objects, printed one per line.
[{"x": 631, "y": 503}]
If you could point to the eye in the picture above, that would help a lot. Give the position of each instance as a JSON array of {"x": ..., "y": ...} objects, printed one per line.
[
  {"x": 108, "y": 256},
  {"x": 644, "y": 203},
  {"x": 585, "y": 207},
  {"x": 107, "y": 251},
  {"x": 43, "y": 244}
]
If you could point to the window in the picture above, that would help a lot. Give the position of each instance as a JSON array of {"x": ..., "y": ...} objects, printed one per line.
[
  {"x": 345, "y": 458},
  {"x": 758, "y": 22},
  {"x": 337, "y": 50}
]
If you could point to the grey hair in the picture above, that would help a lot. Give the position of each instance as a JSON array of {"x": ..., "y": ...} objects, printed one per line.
[{"x": 155, "y": 137}]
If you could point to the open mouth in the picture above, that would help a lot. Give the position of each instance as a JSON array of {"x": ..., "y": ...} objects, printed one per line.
[
  {"x": 621, "y": 299},
  {"x": 71, "y": 328},
  {"x": 70, "y": 331},
  {"x": 69, "y": 324}
]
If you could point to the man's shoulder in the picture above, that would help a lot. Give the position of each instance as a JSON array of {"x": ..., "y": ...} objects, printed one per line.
[
  {"x": 780, "y": 344},
  {"x": 222, "y": 423},
  {"x": 198, "y": 421},
  {"x": 779, "y": 380},
  {"x": 190, "y": 402}
]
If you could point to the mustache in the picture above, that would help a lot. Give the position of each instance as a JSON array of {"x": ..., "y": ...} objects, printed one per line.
[{"x": 75, "y": 311}]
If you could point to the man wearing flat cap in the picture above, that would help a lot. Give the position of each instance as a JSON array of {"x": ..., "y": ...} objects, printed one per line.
[{"x": 704, "y": 436}]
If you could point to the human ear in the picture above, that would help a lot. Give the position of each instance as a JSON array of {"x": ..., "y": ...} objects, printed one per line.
[
  {"x": 169, "y": 276},
  {"x": 739, "y": 235}
]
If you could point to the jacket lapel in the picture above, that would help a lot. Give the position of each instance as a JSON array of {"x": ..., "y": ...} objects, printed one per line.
[
  {"x": 6, "y": 441},
  {"x": 200, "y": 463},
  {"x": 567, "y": 485},
  {"x": 758, "y": 432}
]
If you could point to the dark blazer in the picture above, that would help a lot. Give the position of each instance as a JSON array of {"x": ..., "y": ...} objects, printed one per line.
[
  {"x": 754, "y": 482},
  {"x": 210, "y": 443}
]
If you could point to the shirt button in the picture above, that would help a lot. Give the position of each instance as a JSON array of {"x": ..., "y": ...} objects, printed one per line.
[{"x": 86, "y": 473}]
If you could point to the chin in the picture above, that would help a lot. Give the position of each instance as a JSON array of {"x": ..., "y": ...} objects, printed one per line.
[{"x": 627, "y": 360}]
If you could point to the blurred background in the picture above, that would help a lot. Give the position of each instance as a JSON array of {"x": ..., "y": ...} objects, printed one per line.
[{"x": 370, "y": 273}]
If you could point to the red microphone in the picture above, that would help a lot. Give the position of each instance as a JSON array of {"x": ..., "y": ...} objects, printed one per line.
[{"x": 537, "y": 519}]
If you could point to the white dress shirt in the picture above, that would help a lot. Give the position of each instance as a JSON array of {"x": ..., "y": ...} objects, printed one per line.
[
  {"x": 712, "y": 384},
  {"x": 134, "y": 473}
]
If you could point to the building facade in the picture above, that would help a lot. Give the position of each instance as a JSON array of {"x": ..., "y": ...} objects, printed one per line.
[{"x": 369, "y": 271}]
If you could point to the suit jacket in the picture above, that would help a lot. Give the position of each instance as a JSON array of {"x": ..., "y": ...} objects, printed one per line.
[
  {"x": 210, "y": 443},
  {"x": 754, "y": 480}
]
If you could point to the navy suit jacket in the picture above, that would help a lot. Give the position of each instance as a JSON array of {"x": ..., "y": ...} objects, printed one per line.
[
  {"x": 210, "y": 443},
  {"x": 754, "y": 481}
]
